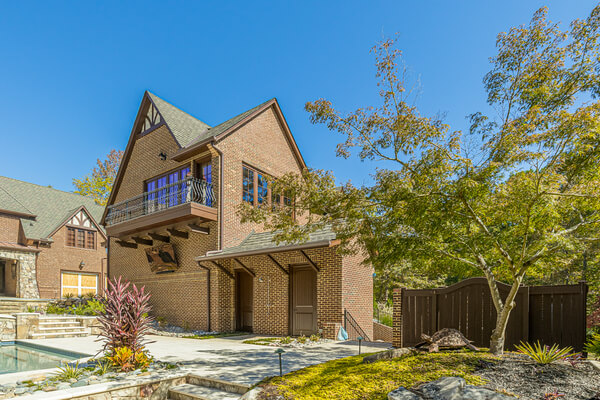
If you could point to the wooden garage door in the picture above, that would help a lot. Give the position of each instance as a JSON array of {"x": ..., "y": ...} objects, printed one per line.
[
  {"x": 304, "y": 301},
  {"x": 76, "y": 284}
]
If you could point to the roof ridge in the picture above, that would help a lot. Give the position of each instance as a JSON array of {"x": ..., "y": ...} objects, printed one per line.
[
  {"x": 174, "y": 106},
  {"x": 46, "y": 187},
  {"x": 15, "y": 199}
]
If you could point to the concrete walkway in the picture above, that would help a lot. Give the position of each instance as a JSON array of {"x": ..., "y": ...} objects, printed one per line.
[{"x": 227, "y": 358}]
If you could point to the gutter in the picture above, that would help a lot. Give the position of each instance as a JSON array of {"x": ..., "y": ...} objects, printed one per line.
[{"x": 219, "y": 255}]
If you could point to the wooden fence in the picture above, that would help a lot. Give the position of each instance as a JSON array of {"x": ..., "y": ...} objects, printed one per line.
[{"x": 550, "y": 314}]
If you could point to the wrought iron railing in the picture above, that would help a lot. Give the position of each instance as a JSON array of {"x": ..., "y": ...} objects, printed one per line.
[
  {"x": 188, "y": 190},
  {"x": 352, "y": 328}
]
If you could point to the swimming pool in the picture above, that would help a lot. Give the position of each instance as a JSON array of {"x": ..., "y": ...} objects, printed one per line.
[{"x": 21, "y": 356}]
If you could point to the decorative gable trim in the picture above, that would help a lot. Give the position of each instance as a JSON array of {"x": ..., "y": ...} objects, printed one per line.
[
  {"x": 80, "y": 217},
  {"x": 139, "y": 119}
]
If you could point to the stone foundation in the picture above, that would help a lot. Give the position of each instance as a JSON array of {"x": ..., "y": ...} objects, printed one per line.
[
  {"x": 7, "y": 327},
  {"x": 26, "y": 272}
]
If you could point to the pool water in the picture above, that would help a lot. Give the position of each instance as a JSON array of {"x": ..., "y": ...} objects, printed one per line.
[{"x": 21, "y": 356}]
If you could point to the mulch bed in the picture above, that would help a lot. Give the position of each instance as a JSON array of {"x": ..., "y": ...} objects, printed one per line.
[{"x": 514, "y": 374}]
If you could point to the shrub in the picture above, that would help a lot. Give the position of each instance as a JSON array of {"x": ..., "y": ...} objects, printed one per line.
[
  {"x": 123, "y": 322},
  {"x": 69, "y": 371},
  {"x": 124, "y": 359},
  {"x": 102, "y": 367},
  {"x": 285, "y": 340},
  {"x": 315, "y": 338},
  {"x": 302, "y": 339},
  {"x": 543, "y": 354},
  {"x": 55, "y": 309},
  {"x": 593, "y": 345}
]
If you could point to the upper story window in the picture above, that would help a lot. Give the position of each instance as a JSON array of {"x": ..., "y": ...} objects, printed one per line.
[
  {"x": 82, "y": 238},
  {"x": 151, "y": 119},
  {"x": 248, "y": 185},
  {"x": 257, "y": 191},
  {"x": 172, "y": 195}
]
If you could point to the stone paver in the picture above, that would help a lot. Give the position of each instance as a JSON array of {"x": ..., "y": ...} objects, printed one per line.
[{"x": 226, "y": 358}]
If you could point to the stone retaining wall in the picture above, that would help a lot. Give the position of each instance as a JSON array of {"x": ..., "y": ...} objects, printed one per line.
[
  {"x": 26, "y": 273},
  {"x": 7, "y": 327}
]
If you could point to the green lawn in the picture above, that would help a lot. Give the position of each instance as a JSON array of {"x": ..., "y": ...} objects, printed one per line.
[{"x": 349, "y": 378}]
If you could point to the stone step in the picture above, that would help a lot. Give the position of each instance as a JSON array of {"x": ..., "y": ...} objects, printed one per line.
[
  {"x": 56, "y": 324},
  {"x": 51, "y": 329},
  {"x": 58, "y": 318},
  {"x": 46, "y": 335},
  {"x": 189, "y": 391}
]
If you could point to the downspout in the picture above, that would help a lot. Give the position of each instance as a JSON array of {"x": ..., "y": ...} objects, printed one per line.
[
  {"x": 104, "y": 281},
  {"x": 220, "y": 245},
  {"x": 208, "y": 292}
]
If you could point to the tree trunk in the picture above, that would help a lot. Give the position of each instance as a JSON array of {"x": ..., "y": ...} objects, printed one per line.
[{"x": 498, "y": 335}]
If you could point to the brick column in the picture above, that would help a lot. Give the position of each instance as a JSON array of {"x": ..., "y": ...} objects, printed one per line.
[{"x": 397, "y": 318}]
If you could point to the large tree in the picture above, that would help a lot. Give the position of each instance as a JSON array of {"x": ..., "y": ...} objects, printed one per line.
[
  {"x": 98, "y": 183},
  {"x": 515, "y": 195}
]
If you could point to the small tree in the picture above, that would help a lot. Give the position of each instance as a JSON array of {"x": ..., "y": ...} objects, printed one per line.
[
  {"x": 515, "y": 195},
  {"x": 99, "y": 182}
]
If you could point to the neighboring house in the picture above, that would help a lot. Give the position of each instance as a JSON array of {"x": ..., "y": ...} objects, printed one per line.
[
  {"x": 173, "y": 228},
  {"x": 50, "y": 242}
]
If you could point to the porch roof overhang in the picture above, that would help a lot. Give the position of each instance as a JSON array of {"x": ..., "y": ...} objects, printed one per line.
[
  {"x": 263, "y": 244},
  {"x": 220, "y": 255},
  {"x": 18, "y": 247}
]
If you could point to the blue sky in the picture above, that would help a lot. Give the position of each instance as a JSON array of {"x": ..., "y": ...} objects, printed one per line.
[{"x": 72, "y": 74}]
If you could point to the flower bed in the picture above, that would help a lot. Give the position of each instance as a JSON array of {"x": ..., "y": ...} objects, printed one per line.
[{"x": 90, "y": 373}]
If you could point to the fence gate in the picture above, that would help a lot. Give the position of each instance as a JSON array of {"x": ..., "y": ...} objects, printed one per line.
[{"x": 550, "y": 314}]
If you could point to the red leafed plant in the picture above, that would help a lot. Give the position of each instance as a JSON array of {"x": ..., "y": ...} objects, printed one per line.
[{"x": 125, "y": 320}]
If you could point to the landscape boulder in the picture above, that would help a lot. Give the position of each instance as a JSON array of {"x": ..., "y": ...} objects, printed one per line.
[
  {"x": 388, "y": 354},
  {"x": 447, "y": 388}
]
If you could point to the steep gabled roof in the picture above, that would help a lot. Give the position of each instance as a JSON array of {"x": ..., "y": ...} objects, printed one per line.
[
  {"x": 190, "y": 133},
  {"x": 224, "y": 126},
  {"x": 184, "y": 127},
  {"x": 51, "y": 207}
]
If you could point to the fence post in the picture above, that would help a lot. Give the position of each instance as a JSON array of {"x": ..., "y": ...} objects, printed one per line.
[{"x": 397, "y": 318}]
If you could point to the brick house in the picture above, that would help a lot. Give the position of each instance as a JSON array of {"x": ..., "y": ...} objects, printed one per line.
[
  {"x": 51, "y": 244},
  {"x": 173, "y": 228}
]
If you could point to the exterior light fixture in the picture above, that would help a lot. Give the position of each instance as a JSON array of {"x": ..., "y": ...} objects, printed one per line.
[
  {"x": 81, "y": 264},
  {"x": 360, "y": 339},
  {"x": 162, "y": 155},
  {"x": 280, "y": 351}
]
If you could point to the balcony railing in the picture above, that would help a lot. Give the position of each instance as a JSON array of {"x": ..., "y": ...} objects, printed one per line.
[{"x": 189, "y": 190}]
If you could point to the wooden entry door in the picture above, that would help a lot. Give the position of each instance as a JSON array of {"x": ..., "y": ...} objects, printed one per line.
[
  {"x": 245, "y": 301},
  {"x": 304, "y": 301}
]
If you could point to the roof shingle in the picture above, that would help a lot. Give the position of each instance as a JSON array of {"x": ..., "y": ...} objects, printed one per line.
[{"x": 50, "y": 206}]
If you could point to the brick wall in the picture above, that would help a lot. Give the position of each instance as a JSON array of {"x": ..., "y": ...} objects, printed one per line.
[
  {"x": 357, "y": 291},
  {"x": 9, "y": 228},
  {"x": 271, "y": 289},
  {"x": 383, "y": 332},
  {"x": 397, "y": 318},
  {"x": 59, "y": 257},
  {"x": 180, "y": 296},
  {"x": 262, "y": 145}
]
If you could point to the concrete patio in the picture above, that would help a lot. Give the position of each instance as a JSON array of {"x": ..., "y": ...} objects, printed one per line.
[{"x": 226, "y": 358}]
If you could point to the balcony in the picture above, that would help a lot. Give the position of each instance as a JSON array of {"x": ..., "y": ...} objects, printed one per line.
[{"x": 189, "y": 198}]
